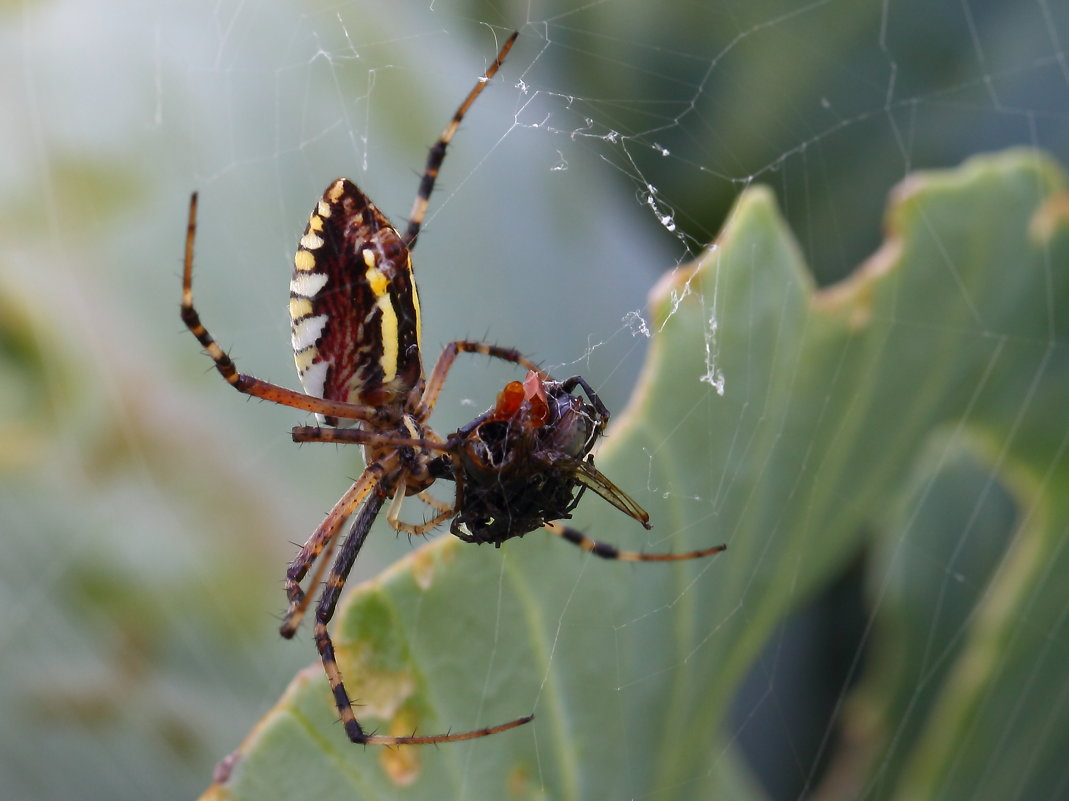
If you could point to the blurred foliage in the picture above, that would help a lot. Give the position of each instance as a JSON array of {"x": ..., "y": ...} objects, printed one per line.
[
  {"x": 822, "y": 101},
  {"x": 147, "y": 512}
]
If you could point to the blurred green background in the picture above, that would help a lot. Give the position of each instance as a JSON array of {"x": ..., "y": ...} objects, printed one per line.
[{"x": 146, "y": 511}]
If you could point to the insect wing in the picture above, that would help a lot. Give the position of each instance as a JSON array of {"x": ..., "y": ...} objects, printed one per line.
[{"x": 589, "y": 476}]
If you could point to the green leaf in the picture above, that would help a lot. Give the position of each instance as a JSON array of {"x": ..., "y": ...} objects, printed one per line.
[{"x": 846, "y": 418}]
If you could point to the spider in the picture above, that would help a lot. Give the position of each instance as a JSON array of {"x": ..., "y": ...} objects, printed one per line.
[{"x": 355, "y": 329}]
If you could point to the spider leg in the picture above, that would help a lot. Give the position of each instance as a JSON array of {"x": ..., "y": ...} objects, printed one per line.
[
  {"x": 223, "y": 363},
  {"x": 362, "y": 437},
  {"x": 600, "y": 409},
  {"x": 436, "y": 503},
  {"x": 570, "y": 384},
  {"x": 445, "y": 511},
  {"x": 359, "y": 436},
  {"x": 399, "y": 492},
  {"x": 320, "y": 539},
  {"x": 393, "y": 514},
  {"x": 437, "y": 152},
  {"x": 445, "y": 363},
  {"x": 325, "y": 611},
  {"x": 606, "y": 551}
]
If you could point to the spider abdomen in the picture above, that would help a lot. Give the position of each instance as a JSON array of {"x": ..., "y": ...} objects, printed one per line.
[{"x": 354, "y": 307}]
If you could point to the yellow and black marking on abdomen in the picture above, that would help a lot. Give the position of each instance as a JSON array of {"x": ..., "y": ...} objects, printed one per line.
[{"x": 354, "y": 309}]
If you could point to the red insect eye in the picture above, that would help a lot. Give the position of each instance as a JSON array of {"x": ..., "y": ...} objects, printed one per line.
[
  {"x": 509, "y": 401},
  {"x": 535, "y": 395}
]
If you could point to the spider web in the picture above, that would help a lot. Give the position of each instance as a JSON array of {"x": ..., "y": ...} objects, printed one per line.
[{"x": 148, "y": 512}]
